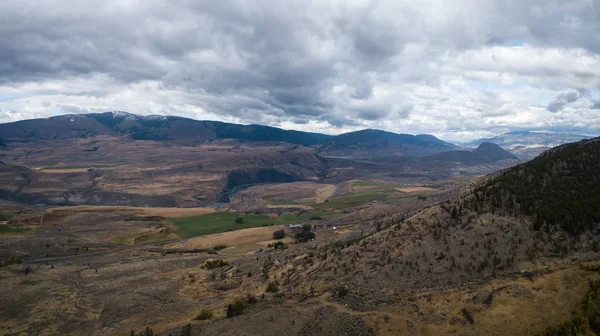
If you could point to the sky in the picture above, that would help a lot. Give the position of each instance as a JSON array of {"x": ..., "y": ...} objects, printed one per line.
[{"x": 457, "y": 69}]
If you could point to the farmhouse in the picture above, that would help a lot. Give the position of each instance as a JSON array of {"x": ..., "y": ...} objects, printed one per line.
[{"x": 295, "y": 227}]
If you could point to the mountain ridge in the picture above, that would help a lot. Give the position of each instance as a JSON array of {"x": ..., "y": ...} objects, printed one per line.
[
  {"x": 486, "y": 152},
  {"x": 174, "y": 128}
]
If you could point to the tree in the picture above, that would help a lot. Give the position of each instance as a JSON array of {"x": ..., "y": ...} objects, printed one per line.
[
  {"x": 306, "y": 234},
  {"x": 235, "y": 309},
  {"x": 186, "y": 330},
  {"x": 279, "y": 234},
  {"x": 239, "y": 220},
  {"x": 272, "y": 287}
]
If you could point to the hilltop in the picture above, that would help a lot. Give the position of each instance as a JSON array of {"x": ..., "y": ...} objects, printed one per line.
[
  {"x": 486, "y": 153},
  {"x": 373, "y": 143}
]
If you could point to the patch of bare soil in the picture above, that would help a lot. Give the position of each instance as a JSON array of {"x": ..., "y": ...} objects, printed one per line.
[{"x": 324, "y": 193}]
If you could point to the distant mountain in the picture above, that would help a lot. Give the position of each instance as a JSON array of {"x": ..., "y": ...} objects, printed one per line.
[
  {"x": 365, "y": 143},
  {"x": 375, "y": 143},
  {"x": 159, "y": 128},
  {"x": 527, "y": 145},
  {"x": 486, "y": 153}
]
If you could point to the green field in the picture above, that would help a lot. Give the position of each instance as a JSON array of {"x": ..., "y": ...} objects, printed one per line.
[
  {"x": 8, "y": 229},
  {"x": 5, "y": 216},
  {"x": 290, "y": 218},
  {"x": 225, "y": 221},
  {"x": 277, "y": 201},
  {"x": 361, "y": 183}
]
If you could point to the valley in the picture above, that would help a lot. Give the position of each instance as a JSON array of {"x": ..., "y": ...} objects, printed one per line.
[{"x": 211, "y": 234}]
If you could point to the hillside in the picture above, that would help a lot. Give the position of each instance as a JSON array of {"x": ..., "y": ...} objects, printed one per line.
[
  {"x": 485, "y": 153},
  {"x": 121, "y": 171},
  {"x": 374, "y": 143},
  {"x": 502, "y": 227},
  {"x": 559, "y": 188}
]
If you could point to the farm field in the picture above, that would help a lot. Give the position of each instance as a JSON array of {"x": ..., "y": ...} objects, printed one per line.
[
  {"x": 225, "y": 221},
  {"x": 10, "y": 230},
  {"x": 335, "y": 197}
]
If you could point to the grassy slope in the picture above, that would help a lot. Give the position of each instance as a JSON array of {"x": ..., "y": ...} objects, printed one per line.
[
  {"x": 349, "y": 201},
  {"x": 8, "y": 229}
]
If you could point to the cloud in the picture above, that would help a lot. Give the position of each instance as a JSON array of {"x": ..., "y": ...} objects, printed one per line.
[
  {"x": 327, "y": 66},
  {"x": 562, "y": 100}
]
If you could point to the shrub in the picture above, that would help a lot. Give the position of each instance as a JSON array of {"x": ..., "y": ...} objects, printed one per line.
[
  {"x": 219, "y": 247},
  {"x": 235, "y": 309},
  {"x": 205, "y": 314},
  {"x": 272, "y": 287},
  {"x": 467, "y": 315},
  {"x": 340, "y": 291},
  {"x": 216, "y": 263},
  {"x": 483, "y": 264},
  {"x": 239, "y": 220},
  {"x": 10, "y": 261},
  {"x": 316, "y": 218},
  {"x": 279, "y": 234},
  {"x": 277, "y": 245},
  {"x": 251, "y": 299}
]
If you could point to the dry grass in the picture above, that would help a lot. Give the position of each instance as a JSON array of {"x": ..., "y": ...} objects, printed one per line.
[
  {"x": 64, "y": 170},
  {"x": 146, "y": 236},
  {"x": 162, "y": 212},
  {"x": 519, "y": 307},
  {"x": 324, "y": 193},
  {"x": 240, "y": 241}
]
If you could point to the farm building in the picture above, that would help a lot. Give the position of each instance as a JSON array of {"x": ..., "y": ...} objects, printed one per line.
[{"x": 295, "y": 227}]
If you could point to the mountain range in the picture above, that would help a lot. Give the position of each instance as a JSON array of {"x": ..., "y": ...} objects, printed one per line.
[
  {"x": 359, "y": 144},
  {"x": 528, "y": 144},
  {"x": 365, "y": 143}
]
